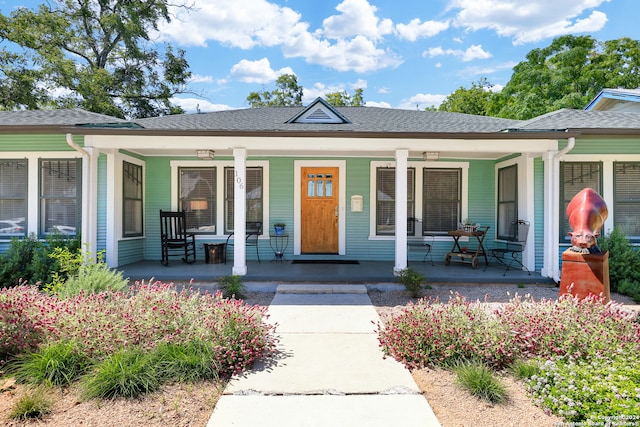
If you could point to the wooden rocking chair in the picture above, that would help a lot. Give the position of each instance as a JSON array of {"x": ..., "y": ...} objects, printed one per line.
[{"x": 175, "y": 239}]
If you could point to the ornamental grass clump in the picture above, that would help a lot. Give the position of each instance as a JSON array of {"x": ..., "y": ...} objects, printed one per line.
[{"x": 480, "y": 381}]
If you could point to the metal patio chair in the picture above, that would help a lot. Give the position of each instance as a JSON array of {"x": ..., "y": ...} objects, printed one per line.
[
  {"x": 511, "y": 253},
  {"x": 253, "y": 231}
]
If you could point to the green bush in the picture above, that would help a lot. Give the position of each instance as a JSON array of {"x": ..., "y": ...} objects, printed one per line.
[
  {"x": 630, "y": 288},
  {"x": 32, "y": 404},
  {"x": 232, "y": 287},
  {"x": 27, "y": 260},
  {"x": 127, "y": 373},
  {"x": 93, "y": 278},
  {"x": 624, "y": 259},
  {"x": 188, "y": 362},
  {"x": 480, "y": 381},
  {"x": 57, "y": 364},
  {"x": 413, "y": 281}
]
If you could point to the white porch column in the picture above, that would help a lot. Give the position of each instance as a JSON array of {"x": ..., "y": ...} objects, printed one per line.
[
  {"x": 551, "y": 215},
  {"x": 402, "y": 156},
  {"x": 113, "y": 206},
  {"x": 239, "y": 212},
  {"x": 90, "y": 202}
]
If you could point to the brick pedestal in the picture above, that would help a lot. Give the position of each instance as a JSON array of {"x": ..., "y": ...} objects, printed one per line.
[{"x": 588, "y": 273}]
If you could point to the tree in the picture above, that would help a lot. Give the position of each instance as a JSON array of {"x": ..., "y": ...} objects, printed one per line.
[
  {"x": 567, "y": 74},
  {"x": 343, "y": 99},
  {"x": 98, "y": 53},
  {"x": 286, "y": 94},
  {"x": 474, "y": 100}
]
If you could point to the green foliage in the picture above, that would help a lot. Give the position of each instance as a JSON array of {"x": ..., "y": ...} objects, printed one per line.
[
  {"x": 413, "y": 281},
  {"x": 232, "y": 287},
  {"x": 286, "y": 94},
  {"x": 27, "y": 260},
  {"x": 568, "y": 73},
  {"x": 480, "y": 381},
  {"x": 343, "y": 99},
  {"x": 632, "y": 289},
  {"x": 99, "y": 52},
  {"x": 525, "y": 369},
  {"x": 590, "y": 391},
  {"x": 469, "y": 101},
  {"x": 56, "y": 364},
  {"x": 189, "y": 362},
  {"x": 624, "y": 261},
  {"x": 93, "y": 278},
  {"x": 127, "y": 373},
  {"x": 33, "y": 404}
]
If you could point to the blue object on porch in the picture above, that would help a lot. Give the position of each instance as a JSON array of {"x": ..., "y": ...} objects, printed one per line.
[
  {"x": 174, "y": 237},
  {"x": 253, "y": 231}
]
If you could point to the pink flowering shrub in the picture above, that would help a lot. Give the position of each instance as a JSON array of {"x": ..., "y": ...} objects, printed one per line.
[
  {"x": 148, "y": 314},
  {"x": 431, "y": 333}
]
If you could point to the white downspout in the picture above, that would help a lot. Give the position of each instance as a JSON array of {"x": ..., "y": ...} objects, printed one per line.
[
  {"x": 555, "y": 200},
  {"x": 89, "y": 199}
]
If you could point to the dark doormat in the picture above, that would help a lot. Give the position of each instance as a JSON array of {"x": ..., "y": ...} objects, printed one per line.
[{"x": 324, "y": 261}]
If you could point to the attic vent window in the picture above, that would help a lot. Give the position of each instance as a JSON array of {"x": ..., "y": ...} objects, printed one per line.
[{"x": 319, "y": 112}]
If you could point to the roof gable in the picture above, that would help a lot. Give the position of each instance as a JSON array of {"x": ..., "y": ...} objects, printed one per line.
[{"x": 319, "y": 111}]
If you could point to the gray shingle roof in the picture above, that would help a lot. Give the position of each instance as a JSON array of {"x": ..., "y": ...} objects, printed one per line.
[
  {"x": 583, "y": 120},
  {"x": 363, "y": 119},
  {"x": 67, "y": 117}
]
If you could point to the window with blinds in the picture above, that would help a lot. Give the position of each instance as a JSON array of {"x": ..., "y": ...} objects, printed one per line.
[
  {"x": 132, "y": 200},
  {"x": 386, "y": 201},
  {"x": 60, "y": 193},
  {"x": 626, "y": 203},
  {"x": 13, "y": 198},
  {"x": 254, "y": 202},
  {"x": 507, "y": 202},
  {"x": 197, "y": 198},
  {"x": 574, "y": 177},
  {"x": 442, "y": 199}
]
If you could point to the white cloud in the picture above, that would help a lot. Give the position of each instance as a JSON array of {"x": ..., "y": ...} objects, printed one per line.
[
  {"x": 197, "y": 78},
  {"x": 379, "y": 104},
  {"x": 416, "y": 29},
  {"x": 357, "y": 17},
  {"x": 421, "y": 101},
  {"x": 320, "y": 89},
  {"x": 259, "y": 71},
  {"x": 194, "y": 105},
  {"x": 384, "y": 90},
  {"x": 471, "y": 53},
  {"x": 529, "y": 21},
  {"x": 346, "y": 42}
]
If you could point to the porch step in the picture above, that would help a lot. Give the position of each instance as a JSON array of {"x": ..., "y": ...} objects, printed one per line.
[{"x": 321, "y": 288}]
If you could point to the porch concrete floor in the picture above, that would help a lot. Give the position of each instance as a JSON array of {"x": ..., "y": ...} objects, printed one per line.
[{"x": 364, "y": 272}]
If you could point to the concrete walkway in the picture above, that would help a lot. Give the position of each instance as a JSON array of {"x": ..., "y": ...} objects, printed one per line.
[{"x": 329, "y": 372}]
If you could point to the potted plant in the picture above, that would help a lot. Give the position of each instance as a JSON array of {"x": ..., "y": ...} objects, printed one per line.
[{"x": 279, "y": 227}]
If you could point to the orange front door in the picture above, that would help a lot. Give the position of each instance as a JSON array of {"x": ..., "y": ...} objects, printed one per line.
[{"x": 319, "y": 216}]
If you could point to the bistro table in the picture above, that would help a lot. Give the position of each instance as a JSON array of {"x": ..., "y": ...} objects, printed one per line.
[
  {"x": 463, "y": 253},
  {"x": 278, "y": 243}
]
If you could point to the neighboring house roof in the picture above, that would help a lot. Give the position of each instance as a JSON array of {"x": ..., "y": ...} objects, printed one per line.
[
  {"x": 10, "y": 120},
  {"x": 616, "y": 100},
  {"x": 586, "y": 122}
]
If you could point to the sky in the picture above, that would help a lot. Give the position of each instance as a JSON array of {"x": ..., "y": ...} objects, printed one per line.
[{"x": 406, "y": 54}]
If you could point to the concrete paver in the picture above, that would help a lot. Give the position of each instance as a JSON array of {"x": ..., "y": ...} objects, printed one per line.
[{"x": 329, "y": 371}]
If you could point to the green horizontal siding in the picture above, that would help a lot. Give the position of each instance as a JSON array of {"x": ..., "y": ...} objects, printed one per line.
[
  {"x": 37, "y": 142},
  {"x": 130, "y": 251}
]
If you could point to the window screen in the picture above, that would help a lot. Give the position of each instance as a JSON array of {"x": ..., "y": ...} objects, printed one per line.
[
  {"x": 507, "y": 202},
  {"x": 60, "y": 196},
  {"x": 386, "y": 201},
  {"x": 442, "y": 200},
  {"x": 197, "y": 198},
  {"x": 627, "y": 198},
  {"x": 13, "y": 198},
  {"x": 132, "y": 199},
  {"x": 253, "y": 196},
  {"x": 574, "y": 177}
]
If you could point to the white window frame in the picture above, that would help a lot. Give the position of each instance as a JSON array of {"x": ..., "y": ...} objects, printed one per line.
[
  {"x": 220, "y": 166},
  {"x": 418, "y": 166},
  {"x": 119, "y": 199}
]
